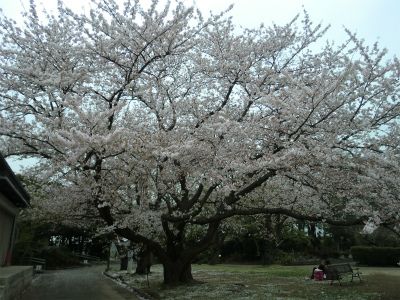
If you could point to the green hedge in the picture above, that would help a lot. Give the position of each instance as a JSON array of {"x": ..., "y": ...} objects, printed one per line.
[
  {"x": 57, "y": 258},
  {"x": 376, "y": 256}
]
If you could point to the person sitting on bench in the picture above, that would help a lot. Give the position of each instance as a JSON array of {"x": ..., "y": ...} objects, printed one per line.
[{"x": 323, "y": 265}]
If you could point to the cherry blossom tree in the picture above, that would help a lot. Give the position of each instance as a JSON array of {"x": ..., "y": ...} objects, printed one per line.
[{"x": 165, "y": 123}]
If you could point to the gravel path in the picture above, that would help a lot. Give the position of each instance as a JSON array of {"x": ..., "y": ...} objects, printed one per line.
[{"x": 76, "y": 284}]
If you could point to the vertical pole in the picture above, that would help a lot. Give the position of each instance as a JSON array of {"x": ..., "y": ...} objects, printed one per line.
[{"x": 10, "y": 243}]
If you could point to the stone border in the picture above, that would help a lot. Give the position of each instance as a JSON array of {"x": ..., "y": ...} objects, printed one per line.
[{"x": 14, "y": 280}]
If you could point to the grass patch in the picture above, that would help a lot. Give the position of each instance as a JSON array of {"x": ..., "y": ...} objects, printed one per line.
[{"x": 268, "y": 282}]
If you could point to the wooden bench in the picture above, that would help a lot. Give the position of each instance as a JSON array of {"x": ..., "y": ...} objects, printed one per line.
[{"x": 337, "y": 272}]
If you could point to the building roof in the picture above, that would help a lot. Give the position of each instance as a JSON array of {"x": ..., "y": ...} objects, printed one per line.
[{"x": 11, "y": 187}]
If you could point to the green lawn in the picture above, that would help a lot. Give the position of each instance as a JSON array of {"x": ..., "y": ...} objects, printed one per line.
[{"x": 269, "y": 282}]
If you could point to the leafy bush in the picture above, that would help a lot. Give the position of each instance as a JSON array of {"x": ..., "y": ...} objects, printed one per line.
[
  {"x": 295, "y": 240},
  {"x": 376, "y": 256},
  {"x": 285, "y": 258},
  {"x": 58, "y": 258}
]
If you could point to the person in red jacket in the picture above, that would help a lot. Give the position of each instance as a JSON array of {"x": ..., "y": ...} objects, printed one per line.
[{"x": 322, "y": 266}]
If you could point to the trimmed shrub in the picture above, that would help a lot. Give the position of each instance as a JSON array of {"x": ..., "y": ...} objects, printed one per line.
[
  {"x": 285, "y": 258},
  {"x": 58, "y": 258},
  {"x": 376, "y": 256}
]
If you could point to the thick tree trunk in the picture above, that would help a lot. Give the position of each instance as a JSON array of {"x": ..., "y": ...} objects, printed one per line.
[
  {"x": 144, "y": 262},
  {"x": 215, "y": 256},
  {"x": 315, "y": 241},
  {"x": 124, "y": 263},
  {"x": 177, "y": 272}
]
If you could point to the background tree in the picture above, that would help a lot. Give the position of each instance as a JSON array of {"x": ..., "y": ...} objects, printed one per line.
[
  {"x": 160, "y": 120},
  {"x": 53, "y": 235}
]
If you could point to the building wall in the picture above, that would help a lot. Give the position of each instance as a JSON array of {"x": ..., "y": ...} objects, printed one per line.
[{"x": 7, "y": 219}]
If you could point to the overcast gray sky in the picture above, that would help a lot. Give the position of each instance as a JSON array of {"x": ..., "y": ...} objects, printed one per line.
[{"x": 372, "y": 20}]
